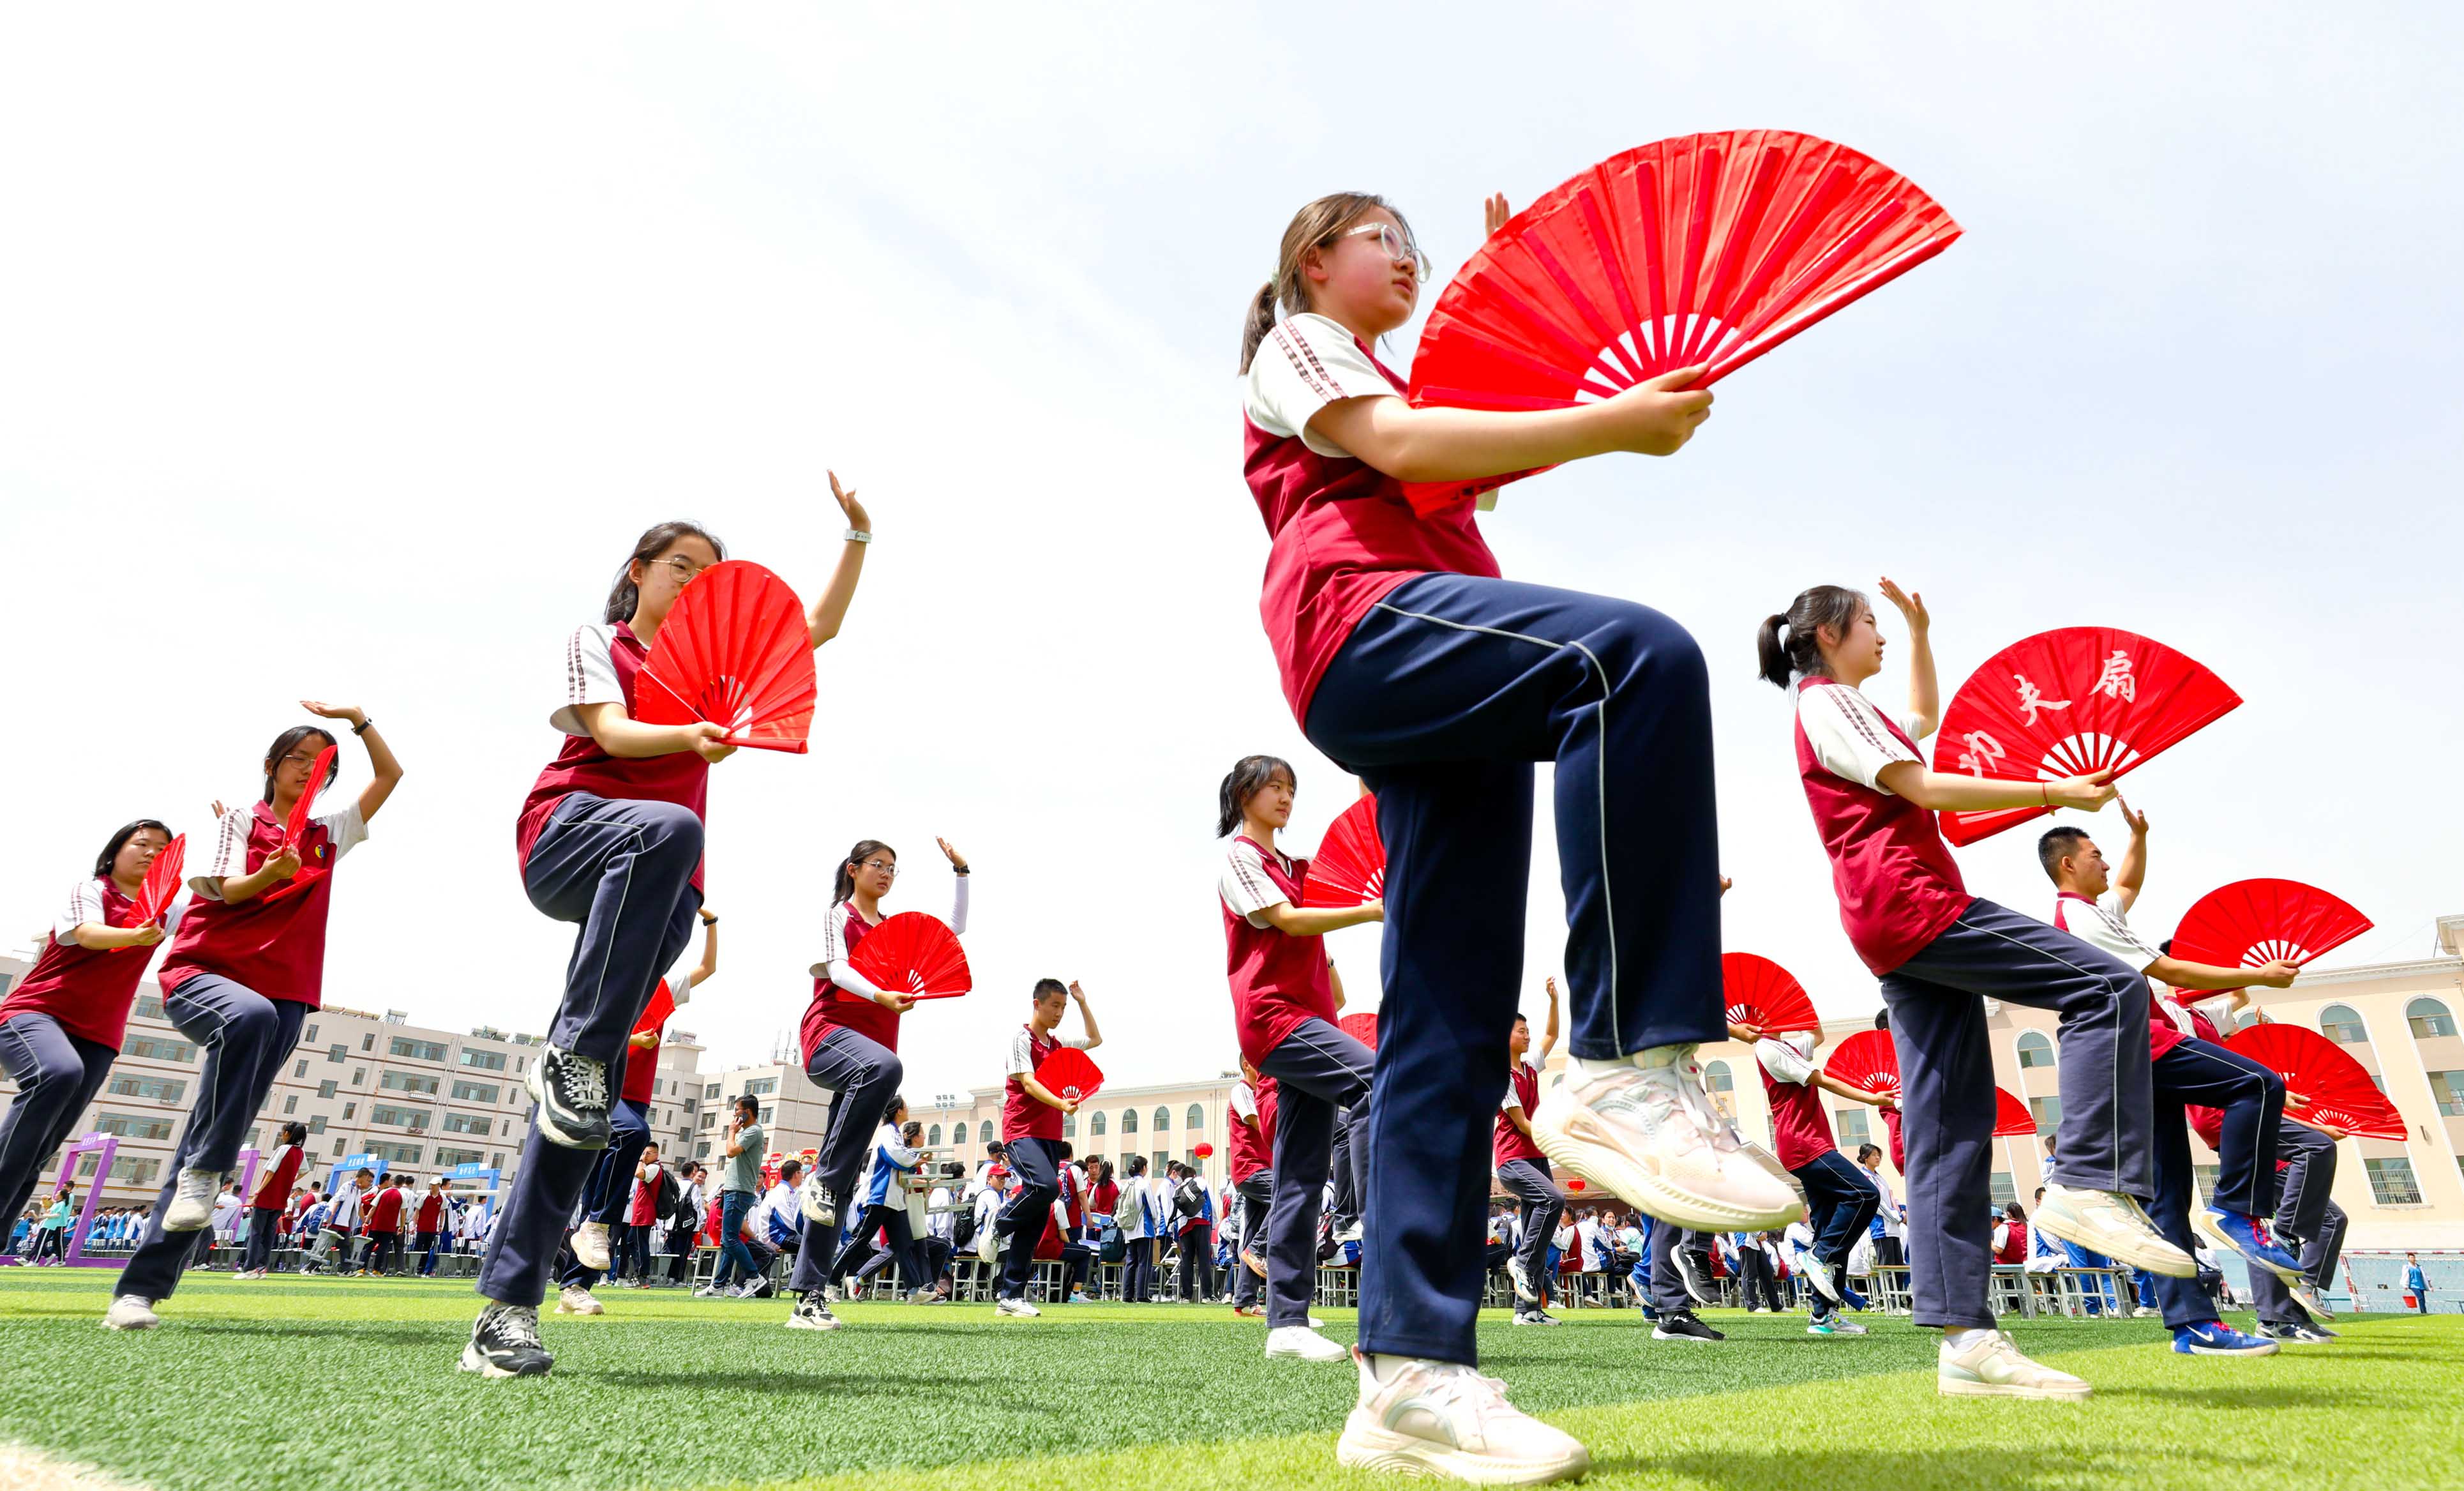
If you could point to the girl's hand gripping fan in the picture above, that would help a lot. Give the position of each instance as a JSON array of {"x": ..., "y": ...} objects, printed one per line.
[
  {"x": 914, "y": 953},
  {"x": 735, "y": 650},
  {"x": 1351, "y": 863}
]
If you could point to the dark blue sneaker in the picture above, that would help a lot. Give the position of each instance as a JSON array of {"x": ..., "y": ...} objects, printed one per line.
[
  {"x": 2241, "y": 1233},
  {"x": 2216, "y": 1338}
]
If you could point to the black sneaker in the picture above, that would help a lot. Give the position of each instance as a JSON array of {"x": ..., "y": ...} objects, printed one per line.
[
  {"x": 1684, "y": 1325},
  {"x": 1689, "y": 1277},
  {"x": 572, "y": 1095},
  {"x": 812, "y": 1313},
  {"x": 505, "y": 1343}
]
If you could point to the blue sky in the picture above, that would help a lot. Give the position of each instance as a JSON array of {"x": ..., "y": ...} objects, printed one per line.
[{"x": 342, "y": 356}]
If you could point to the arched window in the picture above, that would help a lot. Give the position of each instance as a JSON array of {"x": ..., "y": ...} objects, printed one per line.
[
  {"x": 959, "y": 1135},
  {"x": 2342, "y": 1024},
  {"x": 2428, "y": 1017},
  {"x": 1095, "y": 1125},
  {"x": 932, "y": 1137},
  {"x": 1715, "y": 1075},
  {"x": 1197, "y": 1117},
  {"x": 2034, "y": 1050},
  {"x": 1070, "y": 1125},
  {"x": 1129, "y": 1121},
  {"x": 1162, "y": 1119}
]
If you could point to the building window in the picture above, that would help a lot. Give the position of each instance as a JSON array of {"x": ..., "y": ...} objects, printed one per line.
[
  {"x": 324, "y": 1089},
  {"x": 1095, "y": 1125},
  {"x": 2047, "y": 1113},
  {"x": 711, "y": 1091},
  {"x": 766, "y": 1116},
  {"x": 2448, "y": 1087},
  {"x": 368, "y": 1042},
  {"x": 958, "y": 1134},
  {"x": 497, "y": 1161},
  {"x": 763, "y": 1087},
  {"x": 155, "y": 1048},
  {"x": 1852, "y": 1126},
  {"x": 1162, "y": 1119},
  {"x": 308, "y": 1036},
  {"x": 396, "y": 1154},
  {"x": 335, "y": 1055},
  {"x": 2034, "y": 1050},
  {"x": 2342, "y": 1024},
  {"x": 338, "y": 1145},
  {"x": 473, "y": 1092},
  {"x": 932, "y": 1137},
  {"x": 447, "y": 1159},
  {"x": 425, "y": 1084},
  {"x": 299, "y": 1069},
  {"x": 2005, "y": 1191},
  {"x": 2209, "y": 1177},
  {"x": 2428, "y": 1017},
  {"x": 128, "y": 1170},
  {"x": 484, "y": 1060},
  {"x": 161, "y": 1089},
  {"x": 1197, "y": 1118},
  {"x": 416, "y": 1049},
  {"x": 317, "y": 1125},
  {"x": 358, "y": 1077},
  {"x": 130, "y": 1125},
  {"x": 701, "y": 1151},
  {"x": 291, "y": 1104},
  {"x": 348, "y": 1109},
  {"x": 2391, "y": 1182},
  {"x": 467, "y": 1124},
  {"x": 1070, "y": 1125},
  {"x": 1129, "y": 1121},
  {"x": 1715, "y": 1075}
]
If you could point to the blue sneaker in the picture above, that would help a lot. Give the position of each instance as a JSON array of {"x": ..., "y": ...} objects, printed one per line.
[
  {"x": 2216, "y": 1338},
  {"x": 2241, "y": 1233}
]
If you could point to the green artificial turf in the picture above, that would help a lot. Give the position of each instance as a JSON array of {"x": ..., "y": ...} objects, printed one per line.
[{"x": 314, "y": 1384}]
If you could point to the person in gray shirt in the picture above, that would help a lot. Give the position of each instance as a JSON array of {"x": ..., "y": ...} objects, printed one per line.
[{"x": 739, "y": 1186}]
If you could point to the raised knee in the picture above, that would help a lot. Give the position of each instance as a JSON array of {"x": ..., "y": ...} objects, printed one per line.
[
  {"x": 254, "y": 1020},
  {"x": 1647, "y": 644},
  {"x": 890, "y": 1072},
  {"x": 54, "y": 1072}
]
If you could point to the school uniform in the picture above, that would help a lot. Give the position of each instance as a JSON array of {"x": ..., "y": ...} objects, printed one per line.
[
  {"x": 1252, "y": 1142},
  {"x": 1031, "y": 1136},
  {"x": 428, "y": 1225},
  {"x": 1283, "y": 1013},
  {"x": 2188, "y": 1065},
  {"x": 1144, "y": 1225},
  {"x": 61, "y": 1026},
  {"x": 273, "y": 1195},
  {"x": 1940, "y": 953},
  {"x": 1840, "y": 1200},
  {"x": 2308, "y": 1222},
  {"x": 1407, "y": 659},
  {"x": 384, "y": 1214},
  {"x": 239, "y": 981},
  {"x": 1889, "y": 1225},
  {"x": 1523, "y": 1172},
  {"x": 881, "y": 1201},
  {"x": 614, "y": 845}
]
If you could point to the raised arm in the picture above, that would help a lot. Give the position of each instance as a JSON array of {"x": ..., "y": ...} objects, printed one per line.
[
  {"x": 830, "y": 607},
  {"x": 709, "y": 964},
  {"x": 1925, "y": 689},
  {"x": 1651, "y": 418},
  {"x": 1548, "y": 1034},
  {"x": 1086, "y": 1016},
  {"x": 383, "y": 771},
  {"x": 960, "y": 876},
  {"x": 2133, "y": 873}
]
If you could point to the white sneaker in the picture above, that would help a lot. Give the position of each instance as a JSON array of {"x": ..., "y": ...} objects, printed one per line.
[
  {"x": 192, "y": 1202},
  {"x": 1993, "y": 1367},
  {"x": 1305, "y": 1344},
  {"x": 2306, "y": 1295},
  {"x": 1522, "y": 1276},
  {"x": 248, "y": 1272},
  {"x": 131, "y": 1312},
  {"x": 2114, "y": 1225},
  {"x": 591, "y": 1245},
  {"x": 1644, "y": 1127},
  {"x": 574, "y": 1300},
  {"x": 1443, "y": 1418},
  {"x": 1017, "y": 1308},
  {"x": 813, "y": 1199},
  {"x": 1819, "y": 1277}
]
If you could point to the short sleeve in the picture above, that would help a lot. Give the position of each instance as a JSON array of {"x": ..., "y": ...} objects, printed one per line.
[
  {"x": 1782, "y": 1061},
  {"x": 1021, "y": 1055},
  {"x": 1304, "y": 365},
  {"x": 679, "y": 979},
  {"x": 1246, "y": 888},
  {"x": 347, "y": 830},
  {"x": 589, "y": 677},
  {"x": 1514, "y": 1101},
  {"x": 1244, "y": 1102},
  {"x": 228, "y": 860},
  {"x": 86, "y": 904},
  {"x": 1848, "y": 735},
  {"x": 834, "y": 948},
  {"x": 2107, "y": 931}
]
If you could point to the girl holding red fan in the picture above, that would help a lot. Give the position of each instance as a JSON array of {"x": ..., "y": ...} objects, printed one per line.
[
  {"x": 1840, "y": 1199},
  {"x": 61, "y": 1025},
  {"x": 1405, "y": 657},
  {"x": 1940, "y": 953},
  {"x": 850, "y": 1043},
  {"x": 244, "y": 969},
  {"x": 610, "y": 839}
]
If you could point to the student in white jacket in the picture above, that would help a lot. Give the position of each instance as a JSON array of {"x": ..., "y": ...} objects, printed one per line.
[{"x": 1145, "y": 1217}]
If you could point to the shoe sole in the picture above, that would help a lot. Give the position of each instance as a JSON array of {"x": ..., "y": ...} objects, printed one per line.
[
  {"x": 1819, "y": 1277},
  {"x": 557, "y": 1134},
  {"x": 1679, "y": 1335},
  {"x": 1605, "y": 1165},
  {"x": 2224, "y": 1239},
  {"x": 597, "y": 1264},
  {"x": 2264, "y": 1348},
  {"x": 133, "y": 1325},
  {"x": 2127, "y": 1249},
  {"x": 799, "y": 1322},
  {"x": 575, "y": 1310},
  {"x": 1523, "y": 1289},
  {"x": 1958, "y": 1388},
  {"x": 1303, "y": 1356},
  {"x": 1381, "y": 1449},
  {"x": 475, "y": 1361},
  {"x": 2311, "y": 1303}
]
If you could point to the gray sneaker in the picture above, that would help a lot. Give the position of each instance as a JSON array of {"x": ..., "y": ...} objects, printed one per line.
[{"x": 193, "y": 1201}]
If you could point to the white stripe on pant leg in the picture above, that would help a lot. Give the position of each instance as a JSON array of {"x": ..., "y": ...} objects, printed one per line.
[
  {"x": 1608, "y": 900},
  {"x": 2113, "y": 1177},
  {"x": 600, "y": 993}
]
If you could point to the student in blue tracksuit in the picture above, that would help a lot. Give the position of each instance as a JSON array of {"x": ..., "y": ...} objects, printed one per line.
[
  {"x": 2416, "y": 1284},
  {"x": 880, "y": 1206}
]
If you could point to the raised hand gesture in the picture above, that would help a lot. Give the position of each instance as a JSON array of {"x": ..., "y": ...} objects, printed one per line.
[
  {"x": 1911, "y": 605},
  {"x": 1493, "y": 214},
  {"x": 857, "y": 518},
  {"x": 2138, "y": 821},
  {"x": 958, "y": 861}
]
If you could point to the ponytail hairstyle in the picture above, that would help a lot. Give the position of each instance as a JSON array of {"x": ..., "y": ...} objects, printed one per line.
[
  {"x": 120, "y": 838},
  {"x": 1316, "y": 226},
  {"x": 1784, "y": 659},
  {"x": 281, "y": 748},
  {"x": 1241, "y": 782},
  {"x": 865, "y": 848},
  {"x": 654, "y": 542}
]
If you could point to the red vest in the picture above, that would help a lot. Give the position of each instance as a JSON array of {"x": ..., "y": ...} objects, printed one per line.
[
  {"x": 1800, "y": 1130},
  {"x": 2015, "y": 1244},
  {"x": 1023, "y": 1116},
  {"x": 680, "y": 777},
  {"x": 1898, "y": 885},
  {"x": 273, "y": 943},
  {"x": 274, "y": 1191},
  {"x": 1253, "y": 1150},
  {"x": 834, "y": 1006},
  {"x": 87, "y": 989},
  {"x": 1279, "y": 981},
  {"x": 1508, "y": 1144}
]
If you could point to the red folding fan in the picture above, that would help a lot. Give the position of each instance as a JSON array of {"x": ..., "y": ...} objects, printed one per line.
[
  {"x": 1361, "y": 1027},
  {"x": 737, "y": 650},
  {"x": 1068, "y": 1073},
  {"x": 296, "y": 827},
  {"x": 1763, "y": 994},
  {"x": 1351, "y": 863},
  {"x": 1868, "y": 1062},
  {"x": 2334, "y": 1090},
  {"x": 2012, "y": 1119},
  {"x": 2249, "y": 922},
  {"x": 162, "y": 882},
  {"x": 2067, "y": 702},
  {"x": 662, "y": 1005},
  {"x": 913, "y": 952},
  {"x": 1705, "y": 249}
]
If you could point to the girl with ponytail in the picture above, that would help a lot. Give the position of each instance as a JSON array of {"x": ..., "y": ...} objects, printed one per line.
[
  {"x": 849, "y": 1037},
  {"x": 1940, "y": 953},
  {"x": 1407, "y": 659}
]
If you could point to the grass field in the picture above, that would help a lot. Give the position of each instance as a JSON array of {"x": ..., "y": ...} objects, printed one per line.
[{"x": 315, "y": 1385}]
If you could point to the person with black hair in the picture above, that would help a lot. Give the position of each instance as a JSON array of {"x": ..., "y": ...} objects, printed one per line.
[
  {"x": 1145, "y": 1223},
  {"x": 850, "y": 1039},
  {"x": 61, "y": 1025},
  {"x": 1031, "y": 1115},
  {"x": 244, "y": 969},
  {"x": 610, "y": 839},
  {"x": 1840, "y": 1199},
  {"x": 1523, "y": 1171},
  {"x": 278, "y": 1170},
  {"x": 1940, "y": 953}
]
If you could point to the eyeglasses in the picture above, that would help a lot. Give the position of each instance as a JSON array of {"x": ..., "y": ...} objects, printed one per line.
[
  {"x": 683, "y": 568},
  {"x": 1399, "y": 248},
  {"x": 884, "y": 866}
]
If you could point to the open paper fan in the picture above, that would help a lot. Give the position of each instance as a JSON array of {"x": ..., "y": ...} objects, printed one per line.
[
  {"x": 1361, "y": 1027},
  {"x": 2066, "y": 702},
  {"x": 1710, "y": 248},
  {"x": 1868, "y": 1062},
  {"x": 1763, "y": 994},
  {"x": 2335, "y": 1091},
  {"x": 913, "y": 954},
  {"x": 1351, "y": 863},
  {"x": 161, "y": 881},
  {"x": 662, "y": 1005},
  {"x": 737, "y": 650},
  {"x": 2249, "y": 922},
  {"x": 296, "y": 826},
  {"x": 2012, "y": 1119},
  {"x": 1068, "y": 1073}
]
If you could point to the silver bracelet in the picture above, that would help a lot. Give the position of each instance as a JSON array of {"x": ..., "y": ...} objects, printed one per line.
[{"x": 858, "y": 536}]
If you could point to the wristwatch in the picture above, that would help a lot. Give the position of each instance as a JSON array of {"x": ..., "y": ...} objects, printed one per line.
[
  {"x": 858, "y": 536},
  {"x": 362, "y": 727}
]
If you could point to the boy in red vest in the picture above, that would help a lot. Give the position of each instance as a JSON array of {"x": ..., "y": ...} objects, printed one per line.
[{"x": 1031, "y": 1116}]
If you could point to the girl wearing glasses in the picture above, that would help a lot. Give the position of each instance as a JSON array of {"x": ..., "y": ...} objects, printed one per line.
[
  {"x": 610, "y": 839},
  {"x": 1407, "y": 659},
  {"x": 244, "y": 969},
  {"x": 849, "y": 1036}
]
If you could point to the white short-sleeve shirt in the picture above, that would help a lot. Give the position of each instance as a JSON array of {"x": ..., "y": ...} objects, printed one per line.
[
  {"x": 1244, "y": 1101},
  {"x": 2104, "y": 926},
  {"x": 589, "y": 676},
  {"x": 1246, "y": 888},
  {"x": 1848, "y": 736},
  {"x": 344, "y": 831},
  {"x": 1306, "y": 362},
  {"x": 1022, "y": 1051}
]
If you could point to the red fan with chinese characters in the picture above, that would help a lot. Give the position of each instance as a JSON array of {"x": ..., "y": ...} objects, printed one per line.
[
  {"x": 2011, "y": 1117},
  {"x": 1351, "y": 863},
  {"x": 1068, "y": 1073},
  {"x": 2249, "y": 922},
  {"x": 1868, "y": 1062},
  {"x": 913, "y": 952},
  {"x": 1763, "y": 994},
  {"x": 1705, "y": 249},
  {"x": 2067, "y": 702},
  {"x": 1361, "y": 1027},
  {"x": 162, "y": 883},
  {"x": 2323, "y": 1086},
  {"x": 737, "y": 650}
]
